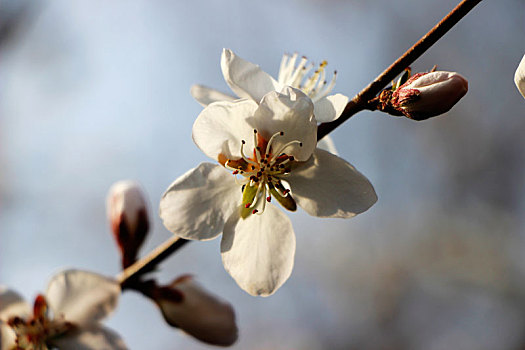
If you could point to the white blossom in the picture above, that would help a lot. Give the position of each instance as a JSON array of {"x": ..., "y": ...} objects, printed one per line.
[
  {"x": 185, "y": 304},
  {"x": 248, "y": 81},
  {"x": 66, "y": 317},
  {"x": 270, "y": 148}
]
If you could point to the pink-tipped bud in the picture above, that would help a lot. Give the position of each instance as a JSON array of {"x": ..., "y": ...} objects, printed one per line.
[
  {"x": 519, "y": 76},
  {"x": 426, "y": 95},
  {"x": 185, "y": 304},
  {"x": 128, "y": 216}
]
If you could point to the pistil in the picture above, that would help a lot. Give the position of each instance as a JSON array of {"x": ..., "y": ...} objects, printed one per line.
[{"x": 262, "y": 173}]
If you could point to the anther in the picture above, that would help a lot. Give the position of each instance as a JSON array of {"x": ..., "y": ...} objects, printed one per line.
[
  {"x": 281, "y": 133},
  {"x": 235, "y": 172},
  {"x": 243, "y": 142},
  {"x": 269, "y": 199},
  {"x": 254, "y": 211},
  {"x": 247, "y": 205}
]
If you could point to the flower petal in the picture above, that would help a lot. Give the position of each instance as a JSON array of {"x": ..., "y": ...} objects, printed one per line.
[
  {"x": 197, "y": 204},
  {"x": 258, "y": 251},
  {"x": 82, "y": 297},
  {"x": 328, "y": 186},
  {"x": 290, "y": 111},
  {"x": 12, "y": 304},
  {"x": 198, "y": 312},
  {"x": 220, "y": 128},
  {"x": 519, "y": 76},
  {"x": 205, "y": 95},
  {"x": 91, "y": 338},
  {"x": 7, "y": 337},
  {"x": 246, "y": 79},
  {"x": 329, "y": 108},
  {"x": 327, "y": 143}
]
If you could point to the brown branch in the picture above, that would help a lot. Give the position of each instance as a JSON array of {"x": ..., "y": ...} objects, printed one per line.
[
  {"x": 150, "y": 261},
  {"x": 360, "y": 101}
]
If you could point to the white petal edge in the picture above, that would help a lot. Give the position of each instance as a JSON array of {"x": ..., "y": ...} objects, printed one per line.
[
  {"x": 329, "y": 108},
  {"x": 246, "y": 79},
  {"x": 83, "y": 297},
  {"x": 328, "y": 186},
  {"x": 290, "y": 111},
  {"x": 258, "y": 252},
  {"x": 12, "y": 304},
  {"x": 328, "y": 144},
  {"x": 205, "y": 95},
  {"x": 519, "y": 77},
  {"x": 92, "y": 338},
  {"x": 201, "y": 314},
  {"x": 197, "y": 204},
  {"x": 221, "y": 127},
  {"x": 7, "y": 337}
]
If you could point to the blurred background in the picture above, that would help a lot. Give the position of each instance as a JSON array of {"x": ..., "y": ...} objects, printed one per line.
[{"x": 92, "y": 92}]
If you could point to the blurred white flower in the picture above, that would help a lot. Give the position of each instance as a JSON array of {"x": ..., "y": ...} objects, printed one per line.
[
  {"x": 128, "y": 216},
  {"x": 519, "y": 76},
  {"x": 185, "y": 304},
  {"x": 67, "y": 317},
  {"x": 248, "y": 81},
  {"x": 272, "y": 147},
  {"x": 426, "y": 95}
]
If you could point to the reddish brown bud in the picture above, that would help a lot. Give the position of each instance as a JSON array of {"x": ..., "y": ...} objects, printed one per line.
[
  {"x": 127, "y": 213},
  {"x": 426, "y": 95}
]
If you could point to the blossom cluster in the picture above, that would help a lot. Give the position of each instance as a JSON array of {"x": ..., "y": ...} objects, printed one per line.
[{"x": 267, "y": 161}]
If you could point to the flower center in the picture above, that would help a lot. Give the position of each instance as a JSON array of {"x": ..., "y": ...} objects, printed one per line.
[
  {"x": 262, "y": 173},
  {"x": 316, "y": 87},
  {"x": 36, "y": 331}
]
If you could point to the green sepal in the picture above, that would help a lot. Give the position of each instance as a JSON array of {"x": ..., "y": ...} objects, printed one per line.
[
  {"x": 248, "y": 195},
  {"x": 287, "y": 201},
  {"x": 402, "y": 79}
]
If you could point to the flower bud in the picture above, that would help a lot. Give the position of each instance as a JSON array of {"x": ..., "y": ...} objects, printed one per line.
[
  {"x": 426, "y": 95},
  {"x": 519, "y": 76},
  {"x": 127, "y": 214},
  {"x": 188, "y": 306}
]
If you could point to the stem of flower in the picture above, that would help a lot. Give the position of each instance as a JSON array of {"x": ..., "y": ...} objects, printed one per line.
[
  {"x": 360, "y": 101},
  {"x": 150, "y": 261}
]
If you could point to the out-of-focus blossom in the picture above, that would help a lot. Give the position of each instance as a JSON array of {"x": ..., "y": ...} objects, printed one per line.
[
  {"x": 271, "y": 146},
  {"x": 426, "y": 95},
  {"x": 66, "y": 317},
  {"x": 185, "y": 304},
  {"x": 128, "y": 216},
  {"x": 248, "y": 81},
  {"x": 519, "y": 76}
]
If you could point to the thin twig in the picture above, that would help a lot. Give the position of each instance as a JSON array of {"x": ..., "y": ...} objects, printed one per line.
[
  {"x": 360, "y": 101},
  {"x": 150, "y": 261},
  {"x": 357, "y": 104}
]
